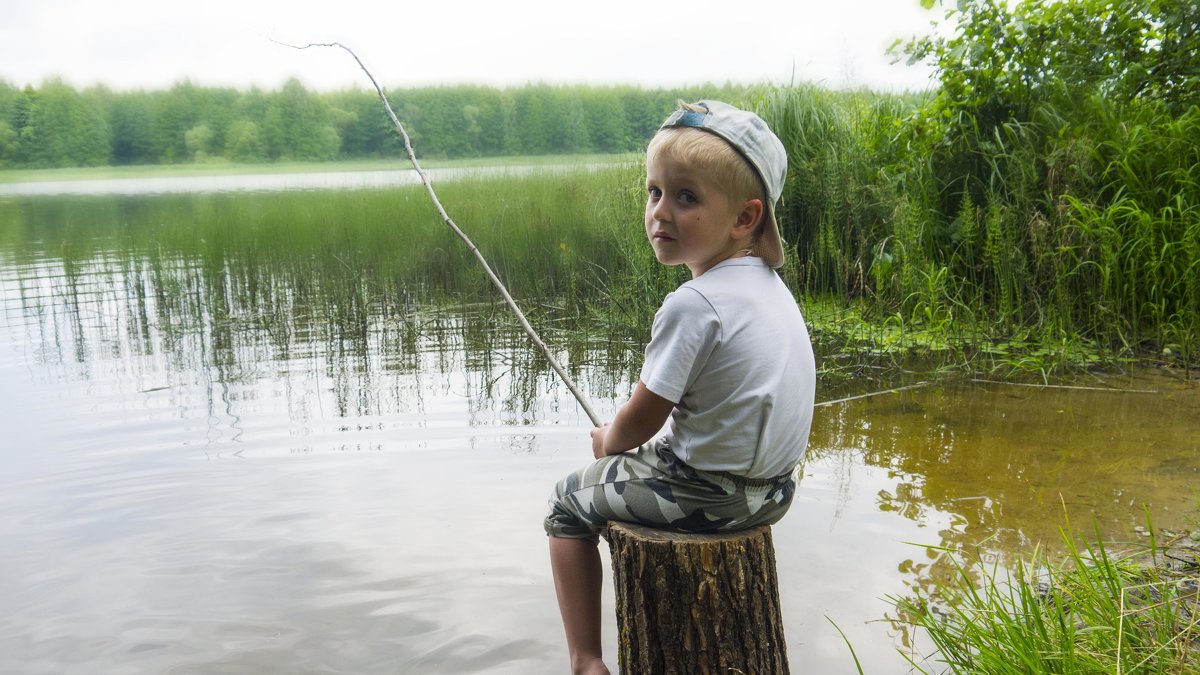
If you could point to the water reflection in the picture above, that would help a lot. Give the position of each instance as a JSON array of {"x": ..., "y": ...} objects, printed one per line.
[
  {"x": 997, "y": 469},
  {"x": 188, "y": 333},
  {"x": 249, "y": 451},
  {"x": 1007, "y": 458}
]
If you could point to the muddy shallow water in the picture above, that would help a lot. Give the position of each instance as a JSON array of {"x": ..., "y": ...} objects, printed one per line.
[{"x": 190, "y": 486}]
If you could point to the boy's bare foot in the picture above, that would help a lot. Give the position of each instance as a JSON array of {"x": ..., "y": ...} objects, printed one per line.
[{"x": 591, "y": 667}]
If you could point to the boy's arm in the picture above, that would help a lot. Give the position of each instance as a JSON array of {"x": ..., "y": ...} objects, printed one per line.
[{"x": 636, "y": 422}]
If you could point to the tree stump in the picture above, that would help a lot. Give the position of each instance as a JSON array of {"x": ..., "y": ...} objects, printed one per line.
[{"x": 696, "y": 603}]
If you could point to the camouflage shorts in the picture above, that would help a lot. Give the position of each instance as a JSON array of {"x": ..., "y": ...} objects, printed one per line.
[{"x": 653, "y": 487}]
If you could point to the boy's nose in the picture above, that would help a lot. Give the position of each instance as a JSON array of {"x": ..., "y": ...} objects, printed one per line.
[{"x": 660, "y": 211}]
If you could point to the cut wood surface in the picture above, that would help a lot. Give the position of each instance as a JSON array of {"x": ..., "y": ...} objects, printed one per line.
[{"x": 697, "y": 603}]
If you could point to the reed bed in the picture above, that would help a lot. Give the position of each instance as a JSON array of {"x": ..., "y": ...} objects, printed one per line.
[{"x": 1074, "y": 236}]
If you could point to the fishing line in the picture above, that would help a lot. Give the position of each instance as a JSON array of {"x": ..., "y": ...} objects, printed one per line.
[{"x": 508, "y": 299}]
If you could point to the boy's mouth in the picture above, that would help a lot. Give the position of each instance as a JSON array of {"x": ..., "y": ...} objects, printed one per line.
[{"x": 659, "y": 236}]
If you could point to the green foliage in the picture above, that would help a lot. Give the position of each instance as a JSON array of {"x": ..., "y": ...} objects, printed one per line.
[
  {"x": 199, "y": 141},
  {"x": 296, "y": 126},
  {"x": 187, "y": 123},
  {"x": 243, "y": 142},
  {"x": 1048, "y": 193},
  {"x": 174, "y": 114},
  {"x": 1006, "y": 59},
  {"x": 131, "y": 118},
  {"x": 58, "y": 124},
  {"x": 9, "y": 143},
  {"x": 1051, "y": 181},
  {"x": 1093, "y": 612},
  {"x": 841, "y": 209}
]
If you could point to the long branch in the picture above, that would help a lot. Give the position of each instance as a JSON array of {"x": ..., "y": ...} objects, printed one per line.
[
  {"x": 874, "y": 393},
  {"x": 1035, "y": 385},
  {"x": 508, "y": 299}
]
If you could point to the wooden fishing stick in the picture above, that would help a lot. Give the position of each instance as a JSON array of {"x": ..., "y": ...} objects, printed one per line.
[
  {"x": 508, "y": 299},
  {"x": 874, "y": 393}
]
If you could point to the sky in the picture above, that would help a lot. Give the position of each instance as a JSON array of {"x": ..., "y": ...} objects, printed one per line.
[{"x": 153, "y": 44}]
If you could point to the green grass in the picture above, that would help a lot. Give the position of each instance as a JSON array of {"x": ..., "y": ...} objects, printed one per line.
[{"x": 1093, "y": 611}]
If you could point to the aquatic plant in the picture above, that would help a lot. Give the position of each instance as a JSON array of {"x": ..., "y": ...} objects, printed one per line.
[{"x": 1093, "y": 611}]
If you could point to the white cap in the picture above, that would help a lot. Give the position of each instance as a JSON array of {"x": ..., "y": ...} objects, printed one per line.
[{"x": 754, "y": 140}]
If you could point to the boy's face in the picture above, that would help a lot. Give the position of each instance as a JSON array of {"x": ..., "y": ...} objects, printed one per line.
[{"x": 691, "y": 220}]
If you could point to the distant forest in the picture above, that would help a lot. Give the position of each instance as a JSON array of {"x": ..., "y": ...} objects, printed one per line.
[{"x": 55, "y": 125}]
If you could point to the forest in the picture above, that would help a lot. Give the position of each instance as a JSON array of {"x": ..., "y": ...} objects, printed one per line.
[{"x": 56, "y": 125}]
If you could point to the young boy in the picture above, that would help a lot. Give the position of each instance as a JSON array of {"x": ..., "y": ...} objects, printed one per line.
[{"x": 729, "y": 363}]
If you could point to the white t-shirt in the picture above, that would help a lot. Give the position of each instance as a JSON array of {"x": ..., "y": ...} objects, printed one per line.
[{"x": 731, "y": 349}]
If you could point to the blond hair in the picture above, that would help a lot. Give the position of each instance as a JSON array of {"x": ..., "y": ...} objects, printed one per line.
[{"x": 713, "y": 155}]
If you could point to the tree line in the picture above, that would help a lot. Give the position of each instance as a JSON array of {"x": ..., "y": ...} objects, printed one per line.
[{"x": 56, "y": 125}]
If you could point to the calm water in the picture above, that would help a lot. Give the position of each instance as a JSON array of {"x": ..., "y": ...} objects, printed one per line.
[
  {"x": 223, "y": 465},
  {"x": 265, "y": 182}
]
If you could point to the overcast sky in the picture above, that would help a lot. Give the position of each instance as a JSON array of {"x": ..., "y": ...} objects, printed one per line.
[{"x": 152, "y": 44}]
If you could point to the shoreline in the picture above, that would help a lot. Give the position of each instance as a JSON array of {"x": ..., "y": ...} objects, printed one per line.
[{"x": 190, "y": 169}]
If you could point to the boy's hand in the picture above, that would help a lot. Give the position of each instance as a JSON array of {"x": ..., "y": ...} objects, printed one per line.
[
  {"x": 636, "y": 422},
  {"x": 598, "y": 434}
]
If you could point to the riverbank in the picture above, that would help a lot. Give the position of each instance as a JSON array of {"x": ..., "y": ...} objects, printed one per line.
[
  {"x": 227, "y": 168},
  {"x": 1131, "y": 607}
]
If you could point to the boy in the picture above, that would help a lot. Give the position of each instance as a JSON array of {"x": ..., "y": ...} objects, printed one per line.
[{"x": 729, "y": 363}]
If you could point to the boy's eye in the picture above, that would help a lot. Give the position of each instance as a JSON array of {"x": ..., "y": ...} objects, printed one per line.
[
  {"x": 654, "y": 192},
  {"x": 687, "y": 198}
]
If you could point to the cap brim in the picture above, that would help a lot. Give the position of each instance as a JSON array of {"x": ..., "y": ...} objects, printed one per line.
[{"x": 770, "y": 245}]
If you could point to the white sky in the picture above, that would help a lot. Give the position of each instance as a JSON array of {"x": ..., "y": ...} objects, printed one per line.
[{"x": 152, "y": 44}]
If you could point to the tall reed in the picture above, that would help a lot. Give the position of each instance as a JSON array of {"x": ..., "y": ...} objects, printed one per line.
[
  {"x": 1093, "y": 612},
  {"x": 1078, "y": 226}
]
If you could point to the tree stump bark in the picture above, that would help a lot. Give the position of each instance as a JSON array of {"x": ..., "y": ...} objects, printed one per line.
[{"x": 696, "y": 603}]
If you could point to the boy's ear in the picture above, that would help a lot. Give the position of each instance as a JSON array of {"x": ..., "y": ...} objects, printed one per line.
[{"x": 748, "y": 218}]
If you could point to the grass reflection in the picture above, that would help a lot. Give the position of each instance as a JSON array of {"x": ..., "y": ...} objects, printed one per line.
[{"x": 369, "y": 281}]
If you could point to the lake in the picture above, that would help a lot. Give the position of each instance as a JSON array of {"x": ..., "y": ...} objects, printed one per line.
[
  {"x": 240, "y": 458},
  {"x": 310, "y": 180}
]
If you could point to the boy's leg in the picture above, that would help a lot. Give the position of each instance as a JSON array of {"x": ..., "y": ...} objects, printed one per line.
[
  {"x": 578, "y": 578},
  {"x": 651, "y": 487}
]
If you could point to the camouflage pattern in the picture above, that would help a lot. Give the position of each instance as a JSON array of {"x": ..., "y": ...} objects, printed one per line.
[{"x": 653, "y": 487}]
